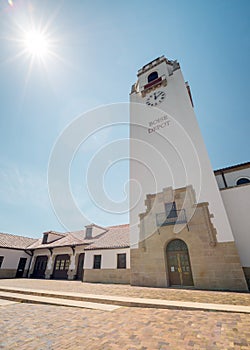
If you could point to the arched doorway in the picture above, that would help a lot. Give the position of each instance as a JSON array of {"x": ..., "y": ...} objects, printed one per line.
[
  {"x": 40, "y": 266},
  {"x": 79, "y": 273},
  {"x": 179, "y": 267},
  {"x": 61, "y": 267}
]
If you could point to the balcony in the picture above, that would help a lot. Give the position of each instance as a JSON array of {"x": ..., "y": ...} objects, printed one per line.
[
  {"x": 160, "y": 81},
  {"x": 152, "y": 83},
  {"x": 173, "y": 217}
]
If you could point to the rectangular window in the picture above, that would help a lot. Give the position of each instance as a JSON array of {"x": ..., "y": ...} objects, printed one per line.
[
  {"x": 57, "y": 264},
  {"x": 66, "y": 266},
  {"x": 171, "y": 211},
  {"x": 1, "y": 261},
  {"x": 121, "y": 261},
  {"x": 62, "y": 264},
  {"x": 97, "y": 261}
]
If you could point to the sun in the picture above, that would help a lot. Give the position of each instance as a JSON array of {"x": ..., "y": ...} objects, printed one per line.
[
  {"x": 36, "y": 41},
  {"x": 36, "y": 44}
]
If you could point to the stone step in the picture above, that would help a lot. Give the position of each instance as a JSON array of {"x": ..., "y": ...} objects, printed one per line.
[
  {"x": 34, "y": 299},
  {"x": 127, "y": 301}
]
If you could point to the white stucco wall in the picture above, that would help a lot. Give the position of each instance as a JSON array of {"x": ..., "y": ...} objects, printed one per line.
[
  {"x": 12, "y": 257},
  {"x": 52, "y": 237},
  {"x": 237, "y": 204},
  {"x": 232, "y": 177},
  {"x": 220, "y": 181},
  {"x": 97, "y": 230},
  {"x": 174, "y": 156},
  {"x": 57, "y": 251},
  {"x": 108, "y": 260}
]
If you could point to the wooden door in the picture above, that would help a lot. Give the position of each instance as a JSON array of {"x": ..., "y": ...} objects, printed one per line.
[
  {"x": 21, "y": 267},
  {"x": 79, "y": 274},
  {"x": 173, "y": 268},
  {"x": 61, "y": 267},
  {"x": 40, "y": 266},
  {"x": 185, "y": 269},
  {"x": 179, "y": 267}
]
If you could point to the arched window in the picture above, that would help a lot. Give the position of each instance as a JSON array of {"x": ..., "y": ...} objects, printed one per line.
[
  {"x": 152, "y": 76},
  {"x": 242, "y": 181},
  {"x": 177, "y": 244}
]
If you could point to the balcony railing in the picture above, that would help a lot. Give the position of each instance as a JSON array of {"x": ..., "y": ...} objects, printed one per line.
[
  {"x": 173, "y": 217},
  {"x": 152, "y": 83}
]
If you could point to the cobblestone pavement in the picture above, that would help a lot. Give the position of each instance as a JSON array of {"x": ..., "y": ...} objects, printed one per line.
[
  {"x": 44, "y": 327},
  {"x": 130, "y": 291}
]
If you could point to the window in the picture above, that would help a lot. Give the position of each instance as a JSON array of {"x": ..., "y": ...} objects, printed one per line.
[
  {"x": 1, "y": 261},
  {"x": 97, "y": 261},
  {"x": 177, "y": 245},
  {"x": 62, "y": 264},
  {"x": 171, "y": 211},
  {"x": 152, "y": 76},
  {"x": 58, "y": 264},
  {"x": 242, "y": 181},
  {"x": 121, "y": 261},
  {"x": 66, "y": 266}
]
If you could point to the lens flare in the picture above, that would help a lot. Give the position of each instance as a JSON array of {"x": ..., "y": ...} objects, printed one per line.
[{"x": 36, "y": 44}]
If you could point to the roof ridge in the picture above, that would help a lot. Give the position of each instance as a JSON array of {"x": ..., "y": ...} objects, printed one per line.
[
  {"x": 98, "y": 226},
  {"x": 118, "y": 225},
  {"x": 14, "y": 235},
  {"x": 78, "y": 239},
  {"x": 232, "y": 166},
  {"x": 54, "y": 232}
]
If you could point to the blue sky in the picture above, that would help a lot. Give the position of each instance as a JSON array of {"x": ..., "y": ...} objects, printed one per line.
[{"x": 99, "y": 47}]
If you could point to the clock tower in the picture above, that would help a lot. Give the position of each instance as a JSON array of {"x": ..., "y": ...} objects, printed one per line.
[{"x": 166, "y": 146}]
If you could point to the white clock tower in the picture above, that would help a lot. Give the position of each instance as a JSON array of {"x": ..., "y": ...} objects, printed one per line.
[{"x": 166, "y": 146}]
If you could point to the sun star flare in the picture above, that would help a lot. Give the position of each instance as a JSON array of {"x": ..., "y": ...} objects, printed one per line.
[{"x": 36, "y": 44}]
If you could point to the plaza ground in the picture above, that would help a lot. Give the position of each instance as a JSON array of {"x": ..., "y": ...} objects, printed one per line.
[
  {"x": 29, "y": 326},
  {"x": 131, "y": 291}
]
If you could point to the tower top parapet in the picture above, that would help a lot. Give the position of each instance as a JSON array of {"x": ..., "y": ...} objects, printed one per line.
[{"x": 156, "y": 62}]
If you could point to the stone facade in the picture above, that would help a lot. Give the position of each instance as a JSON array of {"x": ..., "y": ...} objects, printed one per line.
[{"x": 214, "y": 265}]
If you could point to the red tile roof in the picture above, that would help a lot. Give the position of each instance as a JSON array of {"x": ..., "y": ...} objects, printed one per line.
[
  {"x": 115, "y": 237},
  {"x": 69, "y": 239},
  {"x": 8, "y": 240}
]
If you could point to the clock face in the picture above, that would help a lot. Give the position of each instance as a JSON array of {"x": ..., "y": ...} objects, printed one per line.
[{"x": 155, "y": 98}]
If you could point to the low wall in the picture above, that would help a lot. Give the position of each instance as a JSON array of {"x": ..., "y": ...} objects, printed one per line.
[
  {"x": 107, "y": 275},
  {"x": 10, "y": 273}
]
